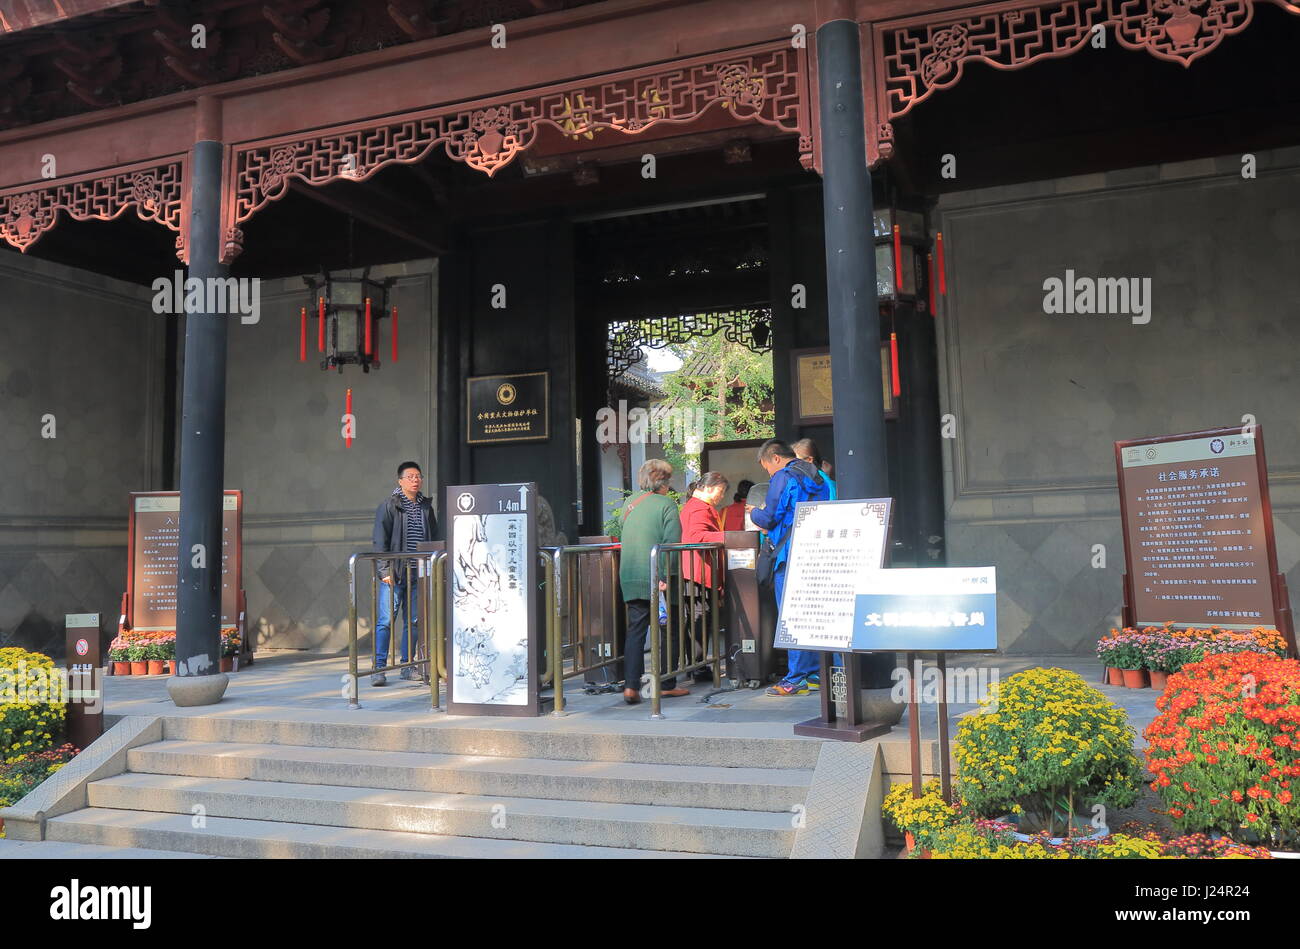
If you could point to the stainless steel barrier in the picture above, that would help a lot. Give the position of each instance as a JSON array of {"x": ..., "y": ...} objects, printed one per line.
[
  {"x": 687, "y": 603},
  {"x": 570, "y": 632},
  {"x": 425, "y": 584}
]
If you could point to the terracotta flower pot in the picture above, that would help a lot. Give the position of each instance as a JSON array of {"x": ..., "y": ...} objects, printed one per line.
[
  {"x": 1159, "y": 679},
  {"x": 155, "y": 667},
  {"x": 140, "y": 668},
  {"x": 1135, "y": 678},
  {"x": 171, "y": 666},
  {"x": 121, "y": 668},
  {"x": 227, "y": 663},
  {"x": 1114, "y": 676}
]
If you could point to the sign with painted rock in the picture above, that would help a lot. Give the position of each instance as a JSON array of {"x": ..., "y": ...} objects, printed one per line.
[{"x": 494, "y": 645}]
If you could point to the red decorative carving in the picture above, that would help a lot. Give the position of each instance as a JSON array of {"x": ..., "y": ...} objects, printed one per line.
[
  {"x": 765, "y": 84},
  {"x": 155, "y": 190},
  {"x": 917, "y": 56}
]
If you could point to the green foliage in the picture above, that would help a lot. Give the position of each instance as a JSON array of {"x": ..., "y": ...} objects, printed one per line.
[{"x": 704, "y": 385}]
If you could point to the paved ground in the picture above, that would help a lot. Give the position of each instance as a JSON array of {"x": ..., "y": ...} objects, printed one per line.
[{"x": 311, "y": 686}]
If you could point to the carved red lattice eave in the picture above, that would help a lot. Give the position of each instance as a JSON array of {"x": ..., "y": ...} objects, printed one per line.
[
  {"x": 914, "y": 57},
  {"x": 767, "y": 84},
  {"x": 157, "y": 190}
]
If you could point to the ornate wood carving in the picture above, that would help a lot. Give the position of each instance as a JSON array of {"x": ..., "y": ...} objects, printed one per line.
[
  {"x": 737, "y": 326},
  {"x": 765, "y": 84},
  {"x": 917, "y": 56},
  {"x": 156, "y": 190}
]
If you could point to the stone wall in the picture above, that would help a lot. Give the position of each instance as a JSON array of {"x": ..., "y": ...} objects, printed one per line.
[
  {"x": 1039, "y": 399},
  {"x": 87, "y": 352}
]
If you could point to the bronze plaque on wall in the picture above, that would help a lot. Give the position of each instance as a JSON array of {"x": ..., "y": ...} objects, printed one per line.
[
  {"x": 812, "y": 385},
  {"x": 154, "y": 536},
  {"x": 513, "y": 408},
  {"x": 1198, "y": 530}
]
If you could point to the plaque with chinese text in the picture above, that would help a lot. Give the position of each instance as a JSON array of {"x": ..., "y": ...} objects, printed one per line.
[
  {"x": 154, "y": 536},
  {"x": 1198, "y": 531},
  {"x": 493, "y": 641},
  {"x": 507, "y": 408},
  {"x": 812, "y": 385},
  {"x": 927, "y": 609},
  {"x": 834, "y": 547}
]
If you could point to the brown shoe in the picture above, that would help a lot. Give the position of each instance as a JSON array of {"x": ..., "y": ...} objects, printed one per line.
[
  {"x": 674, "y": 693},
  {"x": 631, "y": 696}
]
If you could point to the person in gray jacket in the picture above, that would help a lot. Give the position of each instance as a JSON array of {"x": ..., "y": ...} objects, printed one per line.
[{"x": 403, "y": 521}]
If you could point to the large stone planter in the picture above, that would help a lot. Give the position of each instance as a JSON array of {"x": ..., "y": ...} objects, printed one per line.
[{"x": 189, "y": 691}]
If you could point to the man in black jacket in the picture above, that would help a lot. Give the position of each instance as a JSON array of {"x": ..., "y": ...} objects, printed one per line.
[{"x": 403, "y": 521}]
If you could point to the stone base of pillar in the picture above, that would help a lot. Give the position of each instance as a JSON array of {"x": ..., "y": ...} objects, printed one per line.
[{"x": 187, "y": 691}]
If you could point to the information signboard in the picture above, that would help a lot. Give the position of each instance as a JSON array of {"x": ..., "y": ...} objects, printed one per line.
[
  {"x": 1198, "y": 531},
  {"x": 834, "y": 547},
  {"x": 153, "y": 539},
  {"x": 927, "y": 609},
  {"x": 493, "y": 643}
]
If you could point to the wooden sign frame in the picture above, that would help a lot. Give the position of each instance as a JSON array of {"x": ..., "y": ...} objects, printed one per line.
[
  {"x": 1282, "y": 618},
  {"x": 506, "y": 379},
  {"x": 887, "y": 382}
]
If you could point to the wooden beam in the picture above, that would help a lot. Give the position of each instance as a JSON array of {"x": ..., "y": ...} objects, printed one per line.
[{"x": 365, "y": 212}]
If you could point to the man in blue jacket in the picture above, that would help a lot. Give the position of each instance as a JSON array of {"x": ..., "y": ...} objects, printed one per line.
[
  {"x": 403, "y": 521},
  {"x": 792, "y": 481}
]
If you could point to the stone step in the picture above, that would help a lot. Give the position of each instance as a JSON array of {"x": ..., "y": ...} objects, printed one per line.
[
  {"x": 586, "y": 823},
  {"x": 239, "y": 837},
  {"x": 562, "y": 739},
  {"x": 60, "y": 850},
  {"x": 749, "y": 789}
]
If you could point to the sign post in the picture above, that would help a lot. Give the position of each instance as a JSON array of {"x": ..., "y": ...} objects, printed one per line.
[
  {"x": 1199, "y": 548},
  {"x": 833, "y": 545},
  {"x": 85, "y": 721},
  {"x": 494, "y": 645}
]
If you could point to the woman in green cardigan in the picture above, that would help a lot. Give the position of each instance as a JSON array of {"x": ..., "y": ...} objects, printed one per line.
[{"x": 650, "y": 518}]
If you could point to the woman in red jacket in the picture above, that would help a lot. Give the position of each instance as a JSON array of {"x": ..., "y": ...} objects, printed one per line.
[{"x": 701, "y": 524}]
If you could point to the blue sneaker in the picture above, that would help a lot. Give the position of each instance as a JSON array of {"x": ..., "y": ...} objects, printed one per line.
[
  {"x": 814, "y": 682},
  {"x": 786, "y": 687}
]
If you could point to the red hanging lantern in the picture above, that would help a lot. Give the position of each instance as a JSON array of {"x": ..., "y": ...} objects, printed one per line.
[
  {"x": 347, "y": 421},
  {"x": 302, "y": 335},
  {"x": 320, "y": 326},
  {"x": 370, "y": 351},
  {"x": 893, "y": 360}
]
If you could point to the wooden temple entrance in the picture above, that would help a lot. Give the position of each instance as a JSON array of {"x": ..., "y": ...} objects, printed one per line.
[{"x": 310, "y": 135}]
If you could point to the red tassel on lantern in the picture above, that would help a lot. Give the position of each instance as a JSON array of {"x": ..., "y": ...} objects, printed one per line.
[
  {"x": 938, "y": 250},
  {"x": 893, "y": 361},
  {"x": 302, "y": 335},
  {"x": 898, "y": 259},
  {"x": 347, "y": 439},
  {"x": 394, "y": 334},
  {"x": 369, "y": 350},
  {"x": 929, "y": 280},
  {"x": 320, "y": 326}
]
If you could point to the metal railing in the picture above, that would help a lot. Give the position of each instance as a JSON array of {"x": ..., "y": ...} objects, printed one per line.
[
  {"x": 569, "y": 610},
  {"x": 425, "y": 586},
  {"x": 687, "y": 602}
]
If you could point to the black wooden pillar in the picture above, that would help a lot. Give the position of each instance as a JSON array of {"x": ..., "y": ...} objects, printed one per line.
[
  {"x": 203, "y": 429},
  {"x": 853, "y": 312}
]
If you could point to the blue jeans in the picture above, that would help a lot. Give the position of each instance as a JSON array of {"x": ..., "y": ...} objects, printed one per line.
[
  {"x": 803, "y": 662},
  {"x": 392, "y": 598}
]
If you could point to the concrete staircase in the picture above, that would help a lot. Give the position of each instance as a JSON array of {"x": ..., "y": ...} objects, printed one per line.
[{"x": 235, "y": 787}]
